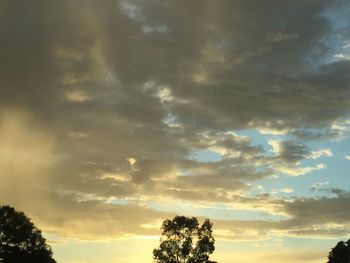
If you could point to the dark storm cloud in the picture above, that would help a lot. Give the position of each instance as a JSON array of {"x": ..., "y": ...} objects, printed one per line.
[
  {"x": 234, "y": 75},
  {"x": 229, "y": 62}
]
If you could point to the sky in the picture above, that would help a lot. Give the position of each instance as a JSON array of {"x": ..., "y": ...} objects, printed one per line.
[{"x": 116, "y": 115}]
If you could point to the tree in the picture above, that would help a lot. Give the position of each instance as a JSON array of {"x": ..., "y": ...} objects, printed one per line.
[
  {"x": 340, "y": 253},
  {"x": 20, "y": 240},
  {"x": 184, "y": 241}
]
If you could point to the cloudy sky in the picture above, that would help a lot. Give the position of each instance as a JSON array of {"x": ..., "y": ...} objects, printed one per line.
[{"x": 115, "y": 115}]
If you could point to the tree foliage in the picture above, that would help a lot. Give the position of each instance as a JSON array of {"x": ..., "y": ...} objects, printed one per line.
[
  {"x": 183, "y": 240},
  {"x": 20, "y": 240},
  {"x": 340, "y": 253}
]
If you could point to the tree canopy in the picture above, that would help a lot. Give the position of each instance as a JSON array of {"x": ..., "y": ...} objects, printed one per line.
[
  {"x": 183, "y": 240},
  {"x": 340, "y": 253},
  {"x": 20, "y": 240}
]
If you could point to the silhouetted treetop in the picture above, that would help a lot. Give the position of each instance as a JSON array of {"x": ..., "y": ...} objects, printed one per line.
[
  {"x": 20, "y": 240},
  {"x": 183, "y": 240},
  {"x": 340, "y": 253}
]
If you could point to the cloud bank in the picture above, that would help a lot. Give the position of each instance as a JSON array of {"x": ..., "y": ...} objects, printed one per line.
[{"x": 103, "y": 104}]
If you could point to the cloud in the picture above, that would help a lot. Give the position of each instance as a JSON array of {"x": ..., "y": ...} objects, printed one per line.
[
  {"x": 318, "y": 186},
  {"x": 96, "y": 220},
  {"x": 26, "y": 158},
  {"x": 316, "y": 217},
  {"x": 320, "y": 210},
  {"x": 289, "y": 151},
  {"x": 321, "y": 153},
  {"x": 107, "y": 100},
  {"x": 289, "y": 154},
  {"x": 297, "y": 171},
  {"x": 287, "y": 190}
]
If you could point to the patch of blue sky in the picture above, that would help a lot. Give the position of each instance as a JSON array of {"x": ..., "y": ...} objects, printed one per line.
[
  {"x": 169, "y": 119},
  {"x": 338, "y": 146},
  {"x": 300, "y": 185},
  {"x": 205, "y": 156},
  {"x": 335, "y": 175},
  {"x": 289, "y": 185},
  {"x": 338, "y": 17},
  {"x": 274, "y": 187},
  {"x": 259, "y": 139},
  {"x": 256, "y": 137},
  {"x": 337, "y": 171}
]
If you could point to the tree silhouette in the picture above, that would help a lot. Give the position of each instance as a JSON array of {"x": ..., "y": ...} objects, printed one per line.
[
  {"x": 184, "y": 241},
  {"x": 340, "y": 253},
  {"x": 20, "y": 240}
]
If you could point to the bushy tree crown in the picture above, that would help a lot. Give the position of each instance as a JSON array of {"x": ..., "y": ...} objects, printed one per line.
[
  {"x": 183, "y": 240},
  {"x": 340, "y": 253},
  {"x": 20, "y": 240}
]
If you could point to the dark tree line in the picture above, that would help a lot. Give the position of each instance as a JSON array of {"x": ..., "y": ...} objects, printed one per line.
[{"x": 183, "y": 240}]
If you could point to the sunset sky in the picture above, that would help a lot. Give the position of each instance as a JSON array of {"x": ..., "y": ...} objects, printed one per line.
[{"x": 116, "y": 115}]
